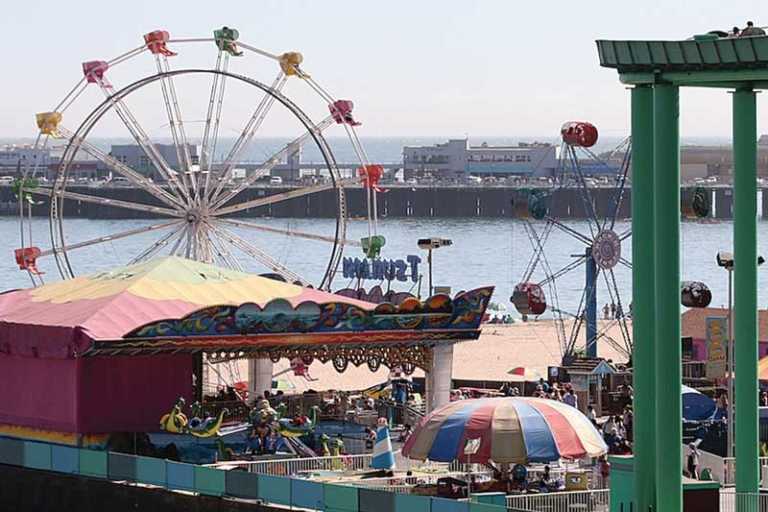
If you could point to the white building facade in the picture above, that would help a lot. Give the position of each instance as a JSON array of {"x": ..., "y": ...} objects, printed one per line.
[{"x": 19, "y": 157}]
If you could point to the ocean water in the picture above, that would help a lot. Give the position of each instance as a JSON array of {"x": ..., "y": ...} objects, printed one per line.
[{"x": 484, "y": 252}]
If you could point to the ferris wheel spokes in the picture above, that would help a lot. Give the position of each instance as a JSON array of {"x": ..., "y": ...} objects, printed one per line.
[
  {"x": 111, "y": 238},
  {"x": 124, "y": 170},
  {"x": 282, "y": 196},
  {"x": 215, "y": 102},
  {"x": 288, "y": 232},
  {"x": 584, "y": 192},
  {"x": 613, "y": 285},
  {"x": 570, "y": 231},
  {"x": 175, "y": 121},
  {"x": 220, "y": 248},
  {"x": 55, "y": 194},
  {"x": 95, "y": 73},
  {"x": 250, "y": 129},
  {"x": 266, "y": 167},
  {"x": 576, "y": 263},
  {"x": 177, "y": 234},
  {"x": 260, "y": 255}
]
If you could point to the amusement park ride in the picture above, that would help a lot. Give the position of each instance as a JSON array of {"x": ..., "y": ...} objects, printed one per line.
[
  {"x": 601, "y": 253},
  {"x": 198, "y": 196},
  {"x": 602, "y": 247}
]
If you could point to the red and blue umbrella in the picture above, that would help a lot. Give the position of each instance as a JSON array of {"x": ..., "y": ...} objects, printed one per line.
[{"x": 515, "y": 430}]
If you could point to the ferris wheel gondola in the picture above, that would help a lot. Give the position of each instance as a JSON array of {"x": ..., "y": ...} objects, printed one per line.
[{"x": 197, "y": 197}]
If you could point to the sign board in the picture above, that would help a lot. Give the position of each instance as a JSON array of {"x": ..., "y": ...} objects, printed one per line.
[
  {"x": 445, "y": 290},
  {"x": 580, "y": 382},
  {"x": 472, "y": 446},
  {"x": 382, "y": 270},
  {"x": 717, "y": 339}
]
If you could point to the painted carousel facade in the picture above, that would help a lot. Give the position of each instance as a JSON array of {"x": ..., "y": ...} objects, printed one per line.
[{"x": 110, "y": 352}]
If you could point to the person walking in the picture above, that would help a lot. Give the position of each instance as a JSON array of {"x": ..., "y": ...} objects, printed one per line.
[
  {"x": 693, "y": 461},
  {"x": 629, "y": 423},
  {"x": 571, "y": 399},
  {"x": 591, "y": 416}
]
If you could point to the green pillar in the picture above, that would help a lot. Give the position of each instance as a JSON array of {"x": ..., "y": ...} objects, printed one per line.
[
  {"x": 643, "y": 297},
  {"x": 745, "y": 288},
  {"x": 666, "y": 182}
]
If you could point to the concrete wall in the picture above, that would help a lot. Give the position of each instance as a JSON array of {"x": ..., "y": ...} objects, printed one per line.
[{"x": 397, "y": 202}]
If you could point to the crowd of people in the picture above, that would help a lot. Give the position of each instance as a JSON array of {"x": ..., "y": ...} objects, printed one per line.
[{"x": 618, "y": 432}]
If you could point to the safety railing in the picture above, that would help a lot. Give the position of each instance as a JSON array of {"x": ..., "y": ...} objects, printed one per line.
[
  {"x": 728, "y": 478},
  {"x": 586, "y": 501},
  {"x": 295, "y": 466},
  {"x": 298, "y": 465},
  {"x": 743, "y": 502}
]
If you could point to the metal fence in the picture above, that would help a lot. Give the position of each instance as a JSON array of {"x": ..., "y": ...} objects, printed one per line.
[
  {"x": 294, "y": 466},
  {"x": 729, "y": 471},
  {"x": 743, "y": 502},
  {"x": 585, "y": 501}
]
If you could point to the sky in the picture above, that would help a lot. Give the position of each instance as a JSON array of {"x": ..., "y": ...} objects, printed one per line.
[{"x": 449, "y": 68}]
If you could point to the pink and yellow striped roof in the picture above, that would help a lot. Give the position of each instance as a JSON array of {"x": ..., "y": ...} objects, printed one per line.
[{"x": 57, "y": 318}]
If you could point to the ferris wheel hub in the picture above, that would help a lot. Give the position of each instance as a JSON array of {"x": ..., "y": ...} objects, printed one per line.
[
  {"x": 606, "y": 249},
  {"x": 194, "y": 216}
]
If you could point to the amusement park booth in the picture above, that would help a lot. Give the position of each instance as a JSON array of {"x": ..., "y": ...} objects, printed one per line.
[{"x": 112, "y": 352}]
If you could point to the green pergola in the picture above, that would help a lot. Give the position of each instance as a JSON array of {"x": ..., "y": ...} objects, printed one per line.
[{"x": 657, "y": 70}]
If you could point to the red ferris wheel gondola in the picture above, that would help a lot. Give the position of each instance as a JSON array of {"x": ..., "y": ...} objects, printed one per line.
[
  {"x": 529, "y": 299},
  {"x": 579, "y": 133}
]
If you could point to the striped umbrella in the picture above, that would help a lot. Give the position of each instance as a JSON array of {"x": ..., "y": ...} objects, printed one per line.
[
  {"x": 522, "y": 374},
  {"x": 515, "y": 430}
]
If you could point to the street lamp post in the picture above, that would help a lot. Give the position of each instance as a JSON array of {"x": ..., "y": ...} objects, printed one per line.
[
  {"x": 430, "y": 244},
  {"x": 725, "y": 260}
]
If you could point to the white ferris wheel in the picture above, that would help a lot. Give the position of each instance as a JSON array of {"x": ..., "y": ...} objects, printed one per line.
[{"x": 197, "y": 200}]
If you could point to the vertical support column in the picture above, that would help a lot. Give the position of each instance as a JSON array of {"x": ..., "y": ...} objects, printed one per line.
[
  {"x": 643, "y": 298},
  {"x": 745, "y": 288},
  {"x": 259, "y": 377},
  {"x": 666, "y": 143},
  {"x": 591, "y": 304},
  {"x": 439, "y": 378},
  {"x": 199, "y": 375}
]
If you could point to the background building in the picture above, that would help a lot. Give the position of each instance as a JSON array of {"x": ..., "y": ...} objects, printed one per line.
[
  {"x": 14, "y": 158},
  {"x": 134, "y": 157},
  {"x": 536, "y": 159},
  {"x": 447, "y": 160},
  {"x": 457, "y": 159}
]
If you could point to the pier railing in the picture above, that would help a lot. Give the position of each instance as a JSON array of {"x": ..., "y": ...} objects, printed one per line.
[
  {"x": 295, "y": 466},
  {"x": 588, "y": 501}
]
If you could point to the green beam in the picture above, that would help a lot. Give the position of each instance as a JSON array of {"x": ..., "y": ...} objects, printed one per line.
[
  {"x": 745, "y": 288},
  {"x": 725, "y": 78},
  {"x": 643, "y": 291},
  {"x": 666, "y": 182}
]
